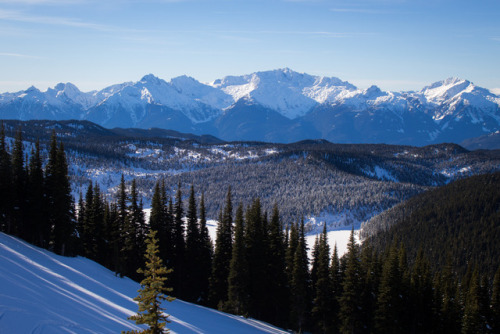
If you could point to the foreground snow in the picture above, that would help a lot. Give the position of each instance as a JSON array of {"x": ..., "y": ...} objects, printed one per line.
[{"x": 44, "y": 293}]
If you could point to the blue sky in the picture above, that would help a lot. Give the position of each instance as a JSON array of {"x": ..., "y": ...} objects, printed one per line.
[{"x": 395, "y": 44}]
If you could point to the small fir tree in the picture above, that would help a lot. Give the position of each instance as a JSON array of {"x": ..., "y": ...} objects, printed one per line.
[{"x": 153, "y": 291}]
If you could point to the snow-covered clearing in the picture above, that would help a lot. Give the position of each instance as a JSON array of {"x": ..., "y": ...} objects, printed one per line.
[{"x": 45, "y": 293}]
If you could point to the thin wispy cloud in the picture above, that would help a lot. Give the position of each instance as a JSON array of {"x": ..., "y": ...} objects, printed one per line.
[
  {"x": 294, "y": 32},
  {"x": 19, "y": 16},
  {"x": 16, "y": 55},
  {"x": 358, "y": 10},
  {"x": 42, "y": 2}
]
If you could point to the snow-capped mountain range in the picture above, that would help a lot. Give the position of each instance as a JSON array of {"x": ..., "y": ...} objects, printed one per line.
[{"x": 280, "y": 105}]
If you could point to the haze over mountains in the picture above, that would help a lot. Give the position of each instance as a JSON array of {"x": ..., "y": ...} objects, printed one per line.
[{"x": 275, "y": 106}]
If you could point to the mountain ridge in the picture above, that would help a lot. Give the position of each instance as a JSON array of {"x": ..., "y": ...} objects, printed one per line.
[{"x": 451, "y": 110}]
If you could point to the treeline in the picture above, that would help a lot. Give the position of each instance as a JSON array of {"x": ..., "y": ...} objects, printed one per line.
[{"x": 36, "y": 202}]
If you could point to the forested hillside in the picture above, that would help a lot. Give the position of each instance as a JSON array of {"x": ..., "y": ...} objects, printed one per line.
[
  {"x": 342, "y": 184},
  {"x": 457, "y": 225}
]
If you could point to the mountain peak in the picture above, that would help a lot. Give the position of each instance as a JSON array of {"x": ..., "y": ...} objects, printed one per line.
[
  {"x": 150, "y": 78},
  {"x": 446, "y": 89}
]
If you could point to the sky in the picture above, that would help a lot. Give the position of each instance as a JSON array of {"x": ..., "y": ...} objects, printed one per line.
[{"x": 395, "y": 44}]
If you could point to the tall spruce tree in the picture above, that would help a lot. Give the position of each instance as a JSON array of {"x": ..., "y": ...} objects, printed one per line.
[
  {"x": 474, "y": 319},
  {"x": 59, "y": 202},
  {"x": 19, "y": 180},
  {"x": 449, "y": 308},
  {"x": 5, "y": 183},
  {"x": 153, "y": 291},
  {"x": 336, "y": 286},
  {"x": 238, "y": 297},
  {"x": 422, "y": 301},
  {"x": 160, "y": 220},
  {"x": 132, "y": 232},
  {"x": 206, "y": 254},
  {"x": 277, "y": 289},
  {"x": 293, "y": 240},
  {"x": 388, "y": 313},
  {"x": 87, "y": 231},
  {"x": 36, "y": 224},
  {"x": 257, "y": 252},
  {"x": 299, "y": 285},
  {"x": 495, "y": 303},
  {"x": 322, "y": 306},
  {"x": 222, "y": 255},
  {"x": 193, "y": 252},
  {"x": 179, "y": 246},
  {"x": 122, "y": 230},
  {"x": 370, "y": 267},
  {"x": 136, "y": 232},
  {"x": 98, "y": 212},
  {"x": 351, "y": 312}
]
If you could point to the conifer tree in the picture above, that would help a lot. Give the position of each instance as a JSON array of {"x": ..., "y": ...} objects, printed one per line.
[
  {"x": 111, "y": 234},
  {"x": 5, "y": 183},
  {"x": 257, "y": 252},
  {"x": 98, "y": 238},
  {"x": 160, "y": 221},
  {"x": 322, "y": 306},
  {"x": 495, "y": 303},
  {"x": 370, "y": 267},
  {"x": 351, "y": 312},
  {"x": 87, "y": 230},
  {"x": 449, "y": 308},
  {"x": 388, "y": 313},
  {"x": 122, "y": 230},
  {"x": 80, "y": 223},
  {"x": 153, "y": 291},
  {"x": 238, "y": 297},
  {"x": 59, "y": 202},
  {"x": 192, "y": 276},
  {"x": 299, "y": 285},
  {"x": 314, "y": 262},
  {"x": 135, "y": 233},
  {"x": 222, "y": 255},
  {"x": 206, "y": 254},
  {"x": 474, "y": 320},
  {"x": 157, "y": 211},
  {"x": 179, "y": 246},
  {"x": 293, "y": 240},
  {"x": 336, "y": 286},
  {"x": 422, "y": 295},
  {"x": 19, "y": 179},
  {"x": 277, "y": 289},
  {"x": 36, "y": 222}
]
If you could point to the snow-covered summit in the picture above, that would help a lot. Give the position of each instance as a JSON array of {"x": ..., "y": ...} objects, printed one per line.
[
  {"x": 447, "y": 89},
  {"x": 290, "y": 93}
]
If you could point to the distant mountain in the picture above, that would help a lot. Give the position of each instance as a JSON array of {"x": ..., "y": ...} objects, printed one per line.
[
  {"x": 279, "y": 106},
  {"x": 491, "y": 141}
]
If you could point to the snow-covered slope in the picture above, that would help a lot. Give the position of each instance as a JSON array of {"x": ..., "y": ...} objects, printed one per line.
[
  {"x": 44, "y": 293},
  {"x": 280, "y": 105}
]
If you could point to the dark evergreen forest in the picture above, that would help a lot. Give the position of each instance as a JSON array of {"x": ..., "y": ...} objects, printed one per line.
[{"x": 258, "y": 264}]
